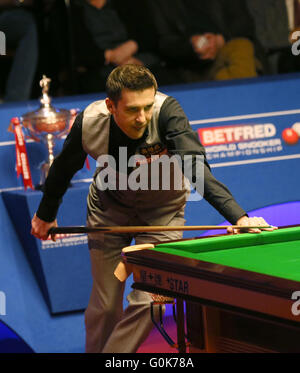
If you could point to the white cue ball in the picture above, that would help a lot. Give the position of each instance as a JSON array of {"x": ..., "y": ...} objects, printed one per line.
[{"x": 296, "y": 128}]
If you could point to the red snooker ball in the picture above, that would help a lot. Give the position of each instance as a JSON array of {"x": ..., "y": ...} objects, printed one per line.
[{"x": 290, "y": 136}]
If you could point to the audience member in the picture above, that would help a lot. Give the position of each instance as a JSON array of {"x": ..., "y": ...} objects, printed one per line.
[
  {"x": 235, "y": 22},
  {"x": 136, "y": 16},
  {"x": 192, "y": 41},
  {"x": 275, "y": 21},
  {"x": 18, "y": 24},
  {"x": 180, "y": 41},
  {"x": 101, "y": 42}
]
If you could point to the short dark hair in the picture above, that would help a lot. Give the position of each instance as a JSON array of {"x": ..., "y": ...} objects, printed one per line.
[{"x": 133, "y": 77}]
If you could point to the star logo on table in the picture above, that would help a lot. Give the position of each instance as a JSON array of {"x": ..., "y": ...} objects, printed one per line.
[{"x": 178, "y": 285}]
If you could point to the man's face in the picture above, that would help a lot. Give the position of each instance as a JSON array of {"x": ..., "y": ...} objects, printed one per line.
[{"x": 133, "y": 111}]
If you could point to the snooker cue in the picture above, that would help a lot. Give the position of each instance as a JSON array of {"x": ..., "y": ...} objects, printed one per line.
[{"x": 136, "y": 229}]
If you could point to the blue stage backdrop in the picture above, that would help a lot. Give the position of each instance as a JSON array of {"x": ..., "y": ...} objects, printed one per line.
[{"x": 249, "y": 129}]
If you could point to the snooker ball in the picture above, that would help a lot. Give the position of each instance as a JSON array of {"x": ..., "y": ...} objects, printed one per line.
[
  {"x": 290, "y": 136},
  {"x": 296, "y": 128}
]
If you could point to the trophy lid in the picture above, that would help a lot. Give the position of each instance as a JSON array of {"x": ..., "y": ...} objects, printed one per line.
[{"x": 46, "y": 118}]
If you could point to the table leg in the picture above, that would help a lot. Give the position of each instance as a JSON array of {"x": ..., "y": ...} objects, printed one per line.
[
  {"x": 195, "y": 326},
  {"x": 180, "y": 326}
]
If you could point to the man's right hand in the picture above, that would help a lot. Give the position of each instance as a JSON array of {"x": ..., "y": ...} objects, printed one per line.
[
  {"x": 40, "y": 228},
  {"x": 121, "y": 53}
]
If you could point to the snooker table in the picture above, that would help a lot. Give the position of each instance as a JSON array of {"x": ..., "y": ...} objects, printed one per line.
[{"x": 237, "y": 289}]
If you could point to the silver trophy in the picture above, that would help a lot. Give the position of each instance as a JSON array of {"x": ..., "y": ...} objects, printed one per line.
[{"x": 46, "y": 125}]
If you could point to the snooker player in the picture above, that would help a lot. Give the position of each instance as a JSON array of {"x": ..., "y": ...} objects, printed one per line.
[{"x": 145, "y": 122}]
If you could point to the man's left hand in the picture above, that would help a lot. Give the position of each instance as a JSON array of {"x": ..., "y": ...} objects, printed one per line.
[{"x": 254, "y": 221}]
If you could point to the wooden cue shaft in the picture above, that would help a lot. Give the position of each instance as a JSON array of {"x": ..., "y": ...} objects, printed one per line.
[{"x": 136, "y": 229}]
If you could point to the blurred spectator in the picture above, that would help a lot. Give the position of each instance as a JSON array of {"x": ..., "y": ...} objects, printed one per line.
[
  {"x": 275, "y": 21},
  {"x": 136, "y": 16},
  {"x": 101, "y": 41},
  {"x": 18, "y": 24},
  {"x": 191, "y": 39},
  {"x": 235, "y": 21}
]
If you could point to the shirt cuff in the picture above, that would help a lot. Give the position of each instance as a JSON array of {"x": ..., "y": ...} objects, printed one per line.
[{"x": 48, "y": 209}]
